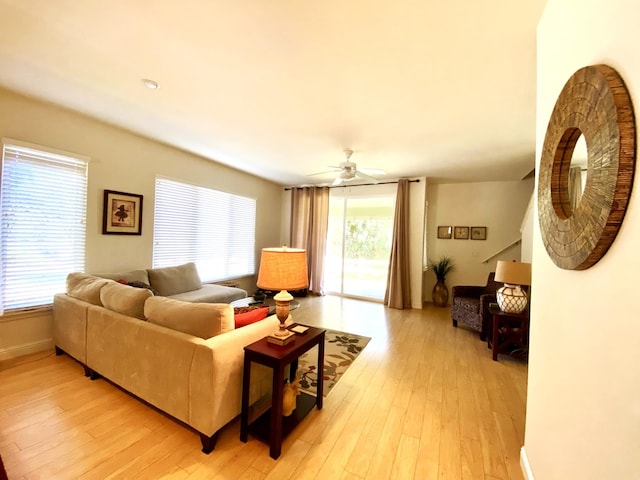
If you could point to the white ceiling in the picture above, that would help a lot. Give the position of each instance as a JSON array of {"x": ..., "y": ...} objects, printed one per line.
[{"x": 444, "y": 89}]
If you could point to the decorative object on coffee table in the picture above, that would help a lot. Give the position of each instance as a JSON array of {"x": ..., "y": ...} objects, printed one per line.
[
  {"x": 512, "y": 298},
  {"x": 441, "y": 268},
  {"x": 596, "y": 104},
  {"x": 283, "y": 269}
]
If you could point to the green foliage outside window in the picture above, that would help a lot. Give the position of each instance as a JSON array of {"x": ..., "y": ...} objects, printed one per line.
[{"x": 367, "y": 238}]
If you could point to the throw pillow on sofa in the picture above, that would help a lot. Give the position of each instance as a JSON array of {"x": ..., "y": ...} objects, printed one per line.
[
  {"x": 126, "y": 277},
  {"x": 204, "y": 320},
  {"x": 125, "y": 299},
  {"x": 243, "y": 316},
  {"x": 173, "y": 280}
]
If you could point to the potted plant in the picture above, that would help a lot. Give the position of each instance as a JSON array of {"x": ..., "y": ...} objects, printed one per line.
[{"x": 441, "y": 269}]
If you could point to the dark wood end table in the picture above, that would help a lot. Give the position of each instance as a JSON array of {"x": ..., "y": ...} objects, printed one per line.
[
  {"x": 509, "y": 333},
  {"x": 272, "y": 425}
]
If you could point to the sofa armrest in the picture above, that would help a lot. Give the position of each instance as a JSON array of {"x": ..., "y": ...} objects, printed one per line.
[
  {"x": 70, "y": 326},
  {"x": 485, "y": 300},
  {"x": 215, "y": 382}
]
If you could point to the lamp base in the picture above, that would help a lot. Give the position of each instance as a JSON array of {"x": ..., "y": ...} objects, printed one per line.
[
  {"x": 281, "y": 340},
  {"x": 512, "y": 299}
]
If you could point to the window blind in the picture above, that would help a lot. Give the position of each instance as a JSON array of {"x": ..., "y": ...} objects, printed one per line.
[
  {"x": 214, "y": 229},
  {"x": 43, "y": 206}
]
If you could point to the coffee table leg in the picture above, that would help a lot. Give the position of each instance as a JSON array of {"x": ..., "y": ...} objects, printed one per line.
[
  {"x": 244, "y": 415},
  {"x": 275, "y": 430}
]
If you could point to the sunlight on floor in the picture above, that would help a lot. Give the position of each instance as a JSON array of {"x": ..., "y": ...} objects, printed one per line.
[{"x": 348, "y": 315}]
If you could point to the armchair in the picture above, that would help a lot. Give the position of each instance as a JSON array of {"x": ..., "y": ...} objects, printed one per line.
[{"x": 470, "y": 305}]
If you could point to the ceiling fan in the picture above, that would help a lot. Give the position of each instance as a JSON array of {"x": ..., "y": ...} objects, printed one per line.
[{"x": 348, "y": 171}]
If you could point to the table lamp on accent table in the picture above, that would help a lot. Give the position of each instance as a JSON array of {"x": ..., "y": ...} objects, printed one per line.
[
  {"x": 511, "y": 298},
  {"x": 283, "y": 269}
]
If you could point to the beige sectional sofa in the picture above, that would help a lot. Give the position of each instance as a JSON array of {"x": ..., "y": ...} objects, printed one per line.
[
  {"x": 184, "y": 358},
  {"x": 181, "y": 282}
]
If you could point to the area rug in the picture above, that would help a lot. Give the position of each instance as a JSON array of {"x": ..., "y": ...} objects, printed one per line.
[{"x": 340, "y": 350}]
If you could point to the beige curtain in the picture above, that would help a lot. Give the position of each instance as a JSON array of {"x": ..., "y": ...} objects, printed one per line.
[
  {"x": 309, "y": 222},
  {"x": 398, "y": 293}
]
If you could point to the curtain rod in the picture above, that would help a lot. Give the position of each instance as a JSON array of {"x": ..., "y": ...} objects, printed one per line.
[{"x": 417, "y": 180}]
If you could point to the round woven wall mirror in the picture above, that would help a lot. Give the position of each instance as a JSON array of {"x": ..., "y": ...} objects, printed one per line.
[{"x": 596, "y": 105}]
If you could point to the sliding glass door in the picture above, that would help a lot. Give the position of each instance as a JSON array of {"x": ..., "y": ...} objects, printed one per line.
[{"x": 359, "y": 240}]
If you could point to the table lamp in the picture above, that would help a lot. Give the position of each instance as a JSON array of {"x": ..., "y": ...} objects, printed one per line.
[
  {"x": 511, "y": 298},
  {"x": 283, "y": 269}
]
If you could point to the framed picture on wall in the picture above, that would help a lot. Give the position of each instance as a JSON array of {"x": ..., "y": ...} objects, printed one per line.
[
  {"x": 478, "y": 233},
  {"x": 444, "y": 232},
  {"x": 461, "y": 233},
  {"x": 122, "y": 213}
]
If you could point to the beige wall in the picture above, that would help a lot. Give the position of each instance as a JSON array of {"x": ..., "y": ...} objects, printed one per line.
[
  {"x": 583, "y": 401},
  {"x": 500, "y": 206},
  {"x": 124, "y": 162}
]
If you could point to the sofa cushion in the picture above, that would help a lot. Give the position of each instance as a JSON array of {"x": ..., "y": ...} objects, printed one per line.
[
  {"x": 85, "y": 287},
  {"x": 172, "y": 280},
  {"x": 204, "y": 320},
  {"x": 125, "y": 299},
  {"x": 211, "y": 293},
  {"x": 243, "y": 316},
  {"x": 127, "y": 277}
]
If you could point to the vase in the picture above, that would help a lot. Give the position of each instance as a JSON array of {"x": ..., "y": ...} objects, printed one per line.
[{"x": 440, "y": 294}]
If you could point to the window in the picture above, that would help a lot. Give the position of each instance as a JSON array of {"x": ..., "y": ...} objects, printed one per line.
[
  {"x": 216, "y": 230},
  {"x": 43, "y": 205}
]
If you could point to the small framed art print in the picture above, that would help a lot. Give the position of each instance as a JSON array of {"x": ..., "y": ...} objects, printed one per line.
[
  {"x": 444, "y": 232},
  {"x": 461, "y": 233},
  {"x": 478, "y": 233},
  {"x": 122, "y": 214}
]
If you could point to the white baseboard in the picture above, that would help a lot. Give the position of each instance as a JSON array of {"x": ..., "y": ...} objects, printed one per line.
[
  {"x": 524, "y": 465},
  {"x": 26, "y": 349}
]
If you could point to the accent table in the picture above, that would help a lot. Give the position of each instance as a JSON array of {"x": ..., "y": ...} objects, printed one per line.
[
  {"x": 509, "y": 333},
  {"x": 272, "y": 425}
]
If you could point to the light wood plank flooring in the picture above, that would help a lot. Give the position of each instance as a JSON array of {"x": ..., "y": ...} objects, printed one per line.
[{"x": 423, "y": 401}]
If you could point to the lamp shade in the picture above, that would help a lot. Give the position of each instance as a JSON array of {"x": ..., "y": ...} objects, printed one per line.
[
  {"x": 513, "y": 273},
  {"x": 283, "y": 269}
]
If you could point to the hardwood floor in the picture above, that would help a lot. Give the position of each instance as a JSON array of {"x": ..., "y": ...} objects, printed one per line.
[{"x": 424, "y": 400}]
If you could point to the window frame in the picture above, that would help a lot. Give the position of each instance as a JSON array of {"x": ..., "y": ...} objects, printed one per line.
[{"x": 23, "y": 232}]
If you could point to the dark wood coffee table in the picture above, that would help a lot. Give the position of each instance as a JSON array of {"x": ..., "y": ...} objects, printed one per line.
[{"x": 271, "y": 425}]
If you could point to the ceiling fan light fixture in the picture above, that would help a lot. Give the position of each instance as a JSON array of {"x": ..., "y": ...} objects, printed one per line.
[{"x": 348, "y": 171}]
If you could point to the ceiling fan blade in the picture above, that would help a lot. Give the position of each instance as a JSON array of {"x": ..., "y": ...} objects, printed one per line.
[
  {"x": 372, "y": 171},
  {"x": 337, "y": 182},
  {"x": 335, "y": 169},
  {"x": 364, "y": 176}
]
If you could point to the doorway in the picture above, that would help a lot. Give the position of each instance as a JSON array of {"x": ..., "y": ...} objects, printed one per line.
[{"x": 359, "y": 239}]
